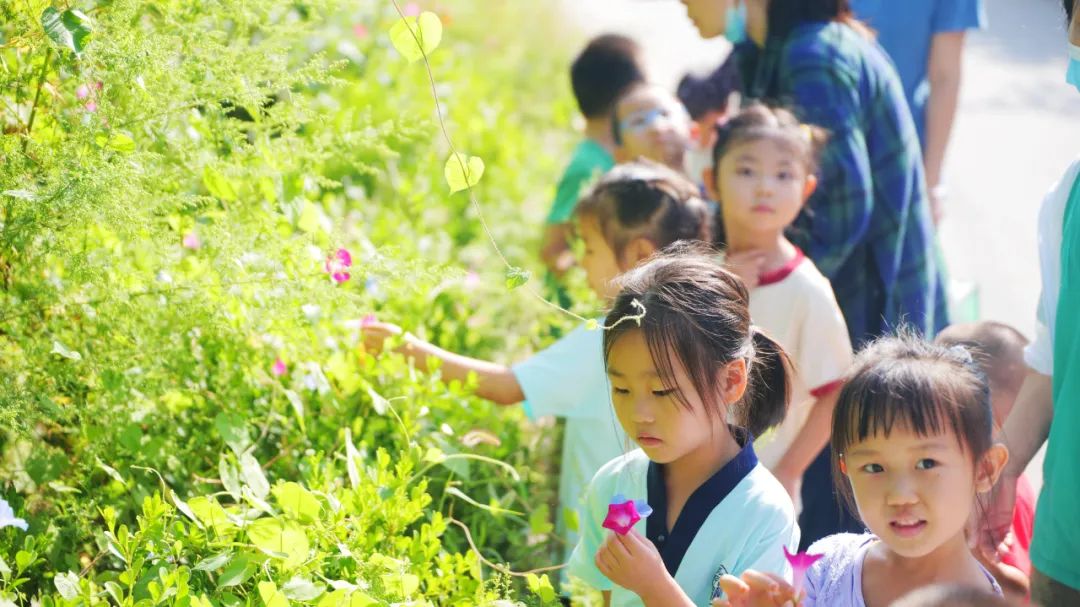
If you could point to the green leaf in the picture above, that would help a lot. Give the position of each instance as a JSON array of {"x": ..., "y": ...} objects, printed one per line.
[
  {"x": 592, "y": 324},
  {"x": 287, "y": 540},
  {"x": 415, "y": 37},
  {"x": 217, "y": 184},
  {"x": 541, "y": 586},
  {"x": 404, "y": 584},
  {"x": 68, "y": 30},
  {"x": 253, "y": 476},
  {"x": 297, "y": 501},
  {"x": 516, "y": 277},
  {"x": 540, "y": 520},
  {"x": 67, "y": 584},
  {"x": 492, "y": 509},
  {"x": 462, "y": 173},
  {"x": 271, "y": 596},
  {"x": 182, "y": 506},
  {"x": 233, "y": 430},
  {"x": 230, "y": 477},
  {"x": 62, "y": 350},
  {"x": 302, "y": 589},
  {"x": 298, "y": 407},
  {"x": 213, "y": 563},
  {"x": 238, "y": 572},
  {"x": 351, "y": 455},
  {"x": 118, "y": 142},
  {"x": 112, "y": 472}
]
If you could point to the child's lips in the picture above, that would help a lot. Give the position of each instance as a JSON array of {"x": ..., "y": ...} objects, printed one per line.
[
  {"x": 907, "y": 527},
  {"x": 761, "y": 208},
  {"x": 647, "y": 440}
]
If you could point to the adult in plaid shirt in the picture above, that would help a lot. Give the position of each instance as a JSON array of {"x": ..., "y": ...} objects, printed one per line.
[{"x": 868, "y": 227}]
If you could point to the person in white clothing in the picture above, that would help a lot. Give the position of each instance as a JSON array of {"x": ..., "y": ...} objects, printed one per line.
[{"x": 762, "y": 174}]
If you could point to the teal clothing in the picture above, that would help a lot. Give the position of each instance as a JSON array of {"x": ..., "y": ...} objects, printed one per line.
[
  {"x": 1056, "y": 541},
  {"x": 589, "y": 161},
  {"x": 741, "y": 518}
]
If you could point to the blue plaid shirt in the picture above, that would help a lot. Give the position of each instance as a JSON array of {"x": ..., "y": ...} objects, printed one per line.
[{"x": 868, "y": 226}]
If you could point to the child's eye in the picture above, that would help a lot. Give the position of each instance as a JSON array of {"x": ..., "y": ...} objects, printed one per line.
[
  {"x": 743, "y": 172},
  {"x": 873, "y": 468},
  {"x": 783, "y": 176},
  {"x": 619, "y": 390},
  {"x": 925, "y": 464},
  {"x": 663, "y": 393}
]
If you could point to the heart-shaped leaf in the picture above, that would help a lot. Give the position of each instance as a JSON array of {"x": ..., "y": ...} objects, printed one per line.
[
  {"x": 415, "y": 37},
  {"x": 463, "y": 172}
]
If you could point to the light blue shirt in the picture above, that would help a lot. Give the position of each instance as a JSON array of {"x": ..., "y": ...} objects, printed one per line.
[
  {"x": 906, "y": 29},
  {"x": 569, "y": 380},
  {"x": 741, "y": 518}
]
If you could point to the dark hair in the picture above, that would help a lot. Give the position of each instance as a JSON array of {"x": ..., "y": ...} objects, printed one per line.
[
  {"x": 1070, "y": 6},
  {"x": 997, "y": 347},
  {"x": 646, "y": 199},
  {"x": 709, "y": 93},
  {"x": 786, "y": 15},
  {"x": 758, "y": 121},
  {"x": 908, "y": 381},
  {"x": 602, "y": 71},
  {"x": 950, "y": 595},
  {"x": 696, "y": 314}
]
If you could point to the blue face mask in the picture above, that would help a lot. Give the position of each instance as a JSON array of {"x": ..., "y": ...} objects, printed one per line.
[
  {"x": 736, "y": 22},
  {"x": 1073, "y": 75}
]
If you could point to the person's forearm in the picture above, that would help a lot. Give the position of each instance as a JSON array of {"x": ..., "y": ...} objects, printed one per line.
[
  {"x": 1028, "y": 424},
  {"x": 811, "y": 439},
  {"x": 940, "y": 115},
  {"x": 495, "y": 382},
  {"x": 554, "y": 250},
  {"x": 669, "y": 594},
  {"x": 945, "y": 71}
]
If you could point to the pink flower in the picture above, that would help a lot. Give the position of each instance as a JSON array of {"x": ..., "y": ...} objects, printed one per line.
[
  {"x": 623, "y": 514},
  {"x": 411, "y": 9},
  {"x": 82, "y": 92},
  {"x": 799, "y": 564},
  {"x": 191, "y": 241},
  {"x": 337, "y": 264},
  {"x": 367, "y": 321},
  {"x": 279, "y": 368},
  {"x": 360, "y": 30},
  {"x": 472, "y": 279},
  {"x": 90, "y": 106}
]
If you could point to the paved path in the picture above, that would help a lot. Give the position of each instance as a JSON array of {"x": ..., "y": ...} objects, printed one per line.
[{"x": 1017, "y": 130}]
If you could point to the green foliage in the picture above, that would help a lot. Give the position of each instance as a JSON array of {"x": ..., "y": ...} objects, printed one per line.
[{"x": 174, "y": 176}]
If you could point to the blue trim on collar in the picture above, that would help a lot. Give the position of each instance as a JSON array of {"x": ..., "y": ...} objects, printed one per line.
[{"x": 673, "y": 544}]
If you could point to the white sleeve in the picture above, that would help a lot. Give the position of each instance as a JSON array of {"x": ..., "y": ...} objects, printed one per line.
[
  {"x": 824, "y": 346},
  {"x": 568, "y": 378},
  {"x": 1039, "y": 355},
  {"x": 582, "y": 564}
]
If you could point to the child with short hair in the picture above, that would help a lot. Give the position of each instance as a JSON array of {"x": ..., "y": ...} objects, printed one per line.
[
  {"x": 912, "y": 444},
  {"x": 762, "y": 174},
  {"x": 601, "y": 72},
  {"x": 711, "y": 100},
  {"x": 683, "y": 359},
  {"x": 649, "y": 122},
  {"x": 632, "y": 212},
  {"x": 999, "y": 351}
]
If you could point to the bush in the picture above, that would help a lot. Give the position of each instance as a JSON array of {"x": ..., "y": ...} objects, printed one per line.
[{"x": 174, "y": 177}]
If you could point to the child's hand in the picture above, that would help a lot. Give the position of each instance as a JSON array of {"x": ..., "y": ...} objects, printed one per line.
[
  {"x": 747, "y": 266},
  {"x": 632, "y": 562},
  {"x": 756, "y": 589},
  {"x": 376, "y": 333}
]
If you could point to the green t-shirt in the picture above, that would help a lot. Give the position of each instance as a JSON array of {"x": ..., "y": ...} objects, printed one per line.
[
  {"x": 1056, "y": 542},
  {"x": 588, "y": 162}
]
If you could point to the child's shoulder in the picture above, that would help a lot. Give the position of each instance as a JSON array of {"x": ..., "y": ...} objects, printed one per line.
[
  {"x": 768, "y": 496},
  {"x": 624, "y": 466},
  {"x": 840, "y": 544},
  {"x": 836, "y": 577}
]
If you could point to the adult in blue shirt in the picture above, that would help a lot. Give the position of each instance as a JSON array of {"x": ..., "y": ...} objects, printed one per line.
[{"x": 925, "y": 39}]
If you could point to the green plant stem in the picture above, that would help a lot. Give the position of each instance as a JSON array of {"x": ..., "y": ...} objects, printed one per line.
[{"x": 37, "y": 98}]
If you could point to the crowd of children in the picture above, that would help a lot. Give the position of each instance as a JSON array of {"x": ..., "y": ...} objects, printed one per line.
[{"x": 744, "y": 252}]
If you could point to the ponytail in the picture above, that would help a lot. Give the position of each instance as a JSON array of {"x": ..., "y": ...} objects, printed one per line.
[{"x": 769, "y": 385}]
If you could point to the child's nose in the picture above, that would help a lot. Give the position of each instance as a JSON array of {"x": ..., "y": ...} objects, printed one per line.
[
  {"x": 643, "y": 411},
  {"x": 902, "y": 491}
]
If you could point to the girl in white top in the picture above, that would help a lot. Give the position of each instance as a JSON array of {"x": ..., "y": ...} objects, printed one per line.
[
  {"x": 683, "y": 358},
  {"x": 763, "y": 173}
]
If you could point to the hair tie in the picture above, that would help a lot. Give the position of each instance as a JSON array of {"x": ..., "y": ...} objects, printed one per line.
[{"x": 807, "y": 132}]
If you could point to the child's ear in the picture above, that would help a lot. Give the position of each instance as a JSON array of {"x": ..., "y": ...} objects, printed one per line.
[
  {"x": 990, "y": 466},
  {"x": 637, "y": 251},
  {"x": 810, "y": 187},
  {"x": 733, "y": 380}
]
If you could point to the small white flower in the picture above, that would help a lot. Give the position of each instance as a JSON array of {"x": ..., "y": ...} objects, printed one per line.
[{"x": 7, "y": 517}]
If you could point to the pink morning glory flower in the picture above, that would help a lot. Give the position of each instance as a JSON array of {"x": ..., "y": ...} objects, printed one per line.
[
  {"x": 367, "y": 321},
  {"x": 360, "y": 30},
  {"x": 278, "y": 368},
  {"x": 623, "y": 514},
  {"x": 411, "y": 9},
  {"x": 799, "y": 564},
  {"x": 191, "y": 241},
  {"x": 90, "y": 106},
  {"x": 338, "y": 264},
  {"x": 82, "y": 92}
]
